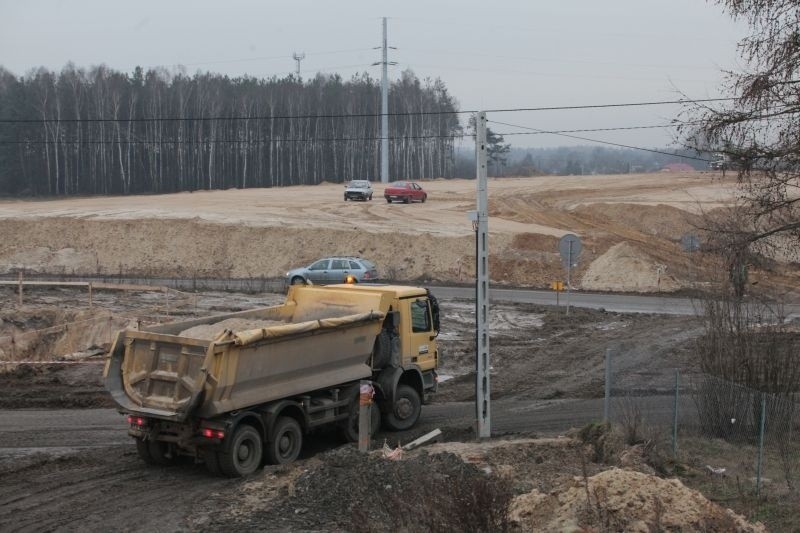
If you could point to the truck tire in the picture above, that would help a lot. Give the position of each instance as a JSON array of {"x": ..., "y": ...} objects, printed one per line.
[
  {"x": 388, "y": 200},
  {"x": 350, "y": 428},
  {"x": 404, "y": 412},
  {"x": 244, "y": 456},
  {"x": 407, "y": 200},
  {"x": 153, "y": 452},
  {"x": 298, "y": 280},
  {"x": 424, "y": 197},
  {"x": 286, "y": 442}
]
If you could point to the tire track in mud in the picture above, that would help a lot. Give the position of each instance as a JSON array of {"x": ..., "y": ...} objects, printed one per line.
[{"x": 108, "y": 489}]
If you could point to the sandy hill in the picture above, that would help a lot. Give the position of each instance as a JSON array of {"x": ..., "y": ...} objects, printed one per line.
[{"x": 630, "y": 226}]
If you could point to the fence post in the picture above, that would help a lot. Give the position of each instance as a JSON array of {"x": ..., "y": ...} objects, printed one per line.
[
  {"x": 365, "y": 407},
  {"x": 90, "y": 295},
  {"x": 19, "y": 277},
  {"x": 607, "y": 397},
  {"x": 675, "y": 416},
  {"x": 760, "y": 463}
]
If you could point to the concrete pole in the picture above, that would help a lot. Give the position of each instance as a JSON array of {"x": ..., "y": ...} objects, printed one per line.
[
  {"x": 607, "y": 395},
  {"x": 483, "y": 392},
  {"x": 385, "y": 109}
]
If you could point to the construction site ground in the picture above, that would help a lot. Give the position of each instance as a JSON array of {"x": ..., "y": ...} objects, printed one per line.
[
  {"x": 630, "y": 226},
  {"x": 66, "y": 462},
  {"x": 64, "y": 449}
]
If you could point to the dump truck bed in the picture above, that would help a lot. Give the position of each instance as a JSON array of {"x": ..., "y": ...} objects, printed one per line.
[{"x": 321, "y": 340}]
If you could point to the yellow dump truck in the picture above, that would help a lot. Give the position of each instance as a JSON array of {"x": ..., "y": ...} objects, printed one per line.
[{"x": 234, "y": 397}]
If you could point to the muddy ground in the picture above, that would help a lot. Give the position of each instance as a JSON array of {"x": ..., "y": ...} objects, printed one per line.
[
  {"x": 65, "y": 467},
  {"x": 538, "y": 352}
]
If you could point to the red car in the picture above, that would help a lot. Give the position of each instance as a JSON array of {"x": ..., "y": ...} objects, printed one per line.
[{"x": 405, "y": 191}]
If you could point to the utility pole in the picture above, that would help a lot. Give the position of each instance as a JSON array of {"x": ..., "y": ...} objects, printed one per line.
[
  {"x": 298, "y": 58},
  {"x": 385, "y": 106},
  {"x": 481, "y": 223}
]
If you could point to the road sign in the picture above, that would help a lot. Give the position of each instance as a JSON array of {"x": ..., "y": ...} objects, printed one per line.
[
  {"x": 557, "y": 285},
  {"x": 570, "y": 248},
  {"x": 690, "y": 242}
]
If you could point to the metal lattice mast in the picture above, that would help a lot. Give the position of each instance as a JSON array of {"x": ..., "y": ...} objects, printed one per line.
[
  {"x": 385, "y": 109},
  {"x": 483, "y": 389}
]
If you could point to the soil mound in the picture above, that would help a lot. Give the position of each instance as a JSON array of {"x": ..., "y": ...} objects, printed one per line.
[
  {"x": 35, "y": 334},
  {"x": 627, "y": 268},
  {"x": 350, "y": 491},
  {"x": 625, "y": 500}
]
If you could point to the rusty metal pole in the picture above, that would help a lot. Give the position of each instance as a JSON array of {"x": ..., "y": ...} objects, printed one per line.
[
  {"x": 20, "y": 287},
  {"x": 365, "y": 393},
  {"x": 90, "y": 295}
]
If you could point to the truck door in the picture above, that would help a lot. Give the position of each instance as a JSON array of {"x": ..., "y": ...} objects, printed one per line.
[{"x": 421, "y": 348}]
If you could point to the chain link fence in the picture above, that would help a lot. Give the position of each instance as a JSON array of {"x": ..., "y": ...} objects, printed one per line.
[{"x": 744, "y": 441}]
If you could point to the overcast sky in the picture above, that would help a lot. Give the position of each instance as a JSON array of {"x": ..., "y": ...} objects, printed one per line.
[{"x": 491, "y": 55}]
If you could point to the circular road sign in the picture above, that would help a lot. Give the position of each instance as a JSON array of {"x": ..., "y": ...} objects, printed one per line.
[
  {"x": 690, "y": 242},
  {"x": 569, "y": 247}
]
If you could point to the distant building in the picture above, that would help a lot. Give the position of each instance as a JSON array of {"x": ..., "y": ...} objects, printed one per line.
[{"x": 677, "y": 167}]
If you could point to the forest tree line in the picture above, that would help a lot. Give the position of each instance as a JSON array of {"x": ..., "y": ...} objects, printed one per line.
[{"x": 101, "y": 131}]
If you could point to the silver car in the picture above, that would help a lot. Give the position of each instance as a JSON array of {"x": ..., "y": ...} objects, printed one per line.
[
  {"x": 358, "y": 190},
  {"x": 334, "y": 270}
]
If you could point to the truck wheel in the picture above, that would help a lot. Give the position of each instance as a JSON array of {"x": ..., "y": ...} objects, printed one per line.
[
  {"x": 298, "y": 280},
  {"x": 153, "y": 452},
  {"x": 407, "y": 200},
  {"x": 424, "y": 197},
  {"x": 286, "y": 443},
  {"x": 350, "y": 428},
  {"x": 388, "y": 200},
  {"x": 405, "y": 410},
  {"x": 244, "y": 456},
  {"x": 345, "y": 197},
  {"x": 211, "y": 458}
]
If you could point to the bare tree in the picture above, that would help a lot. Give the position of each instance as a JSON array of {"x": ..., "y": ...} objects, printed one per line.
[{"x": 759, "y": 131}]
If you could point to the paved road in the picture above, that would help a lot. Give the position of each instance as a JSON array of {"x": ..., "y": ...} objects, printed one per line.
[{"x": 621, "y": 303}]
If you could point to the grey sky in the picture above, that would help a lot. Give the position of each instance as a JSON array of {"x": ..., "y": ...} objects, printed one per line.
[{"x": 501, "y": 54}]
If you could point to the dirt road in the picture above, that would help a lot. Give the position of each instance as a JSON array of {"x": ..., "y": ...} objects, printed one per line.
[{"x": 77, "y": 469}]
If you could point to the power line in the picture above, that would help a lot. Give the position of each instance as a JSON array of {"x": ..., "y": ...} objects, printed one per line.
[
  {"x": 333, "y": 139},
  {"x": 601, "y": 142},
  {"x": 365, "y": 115}
]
